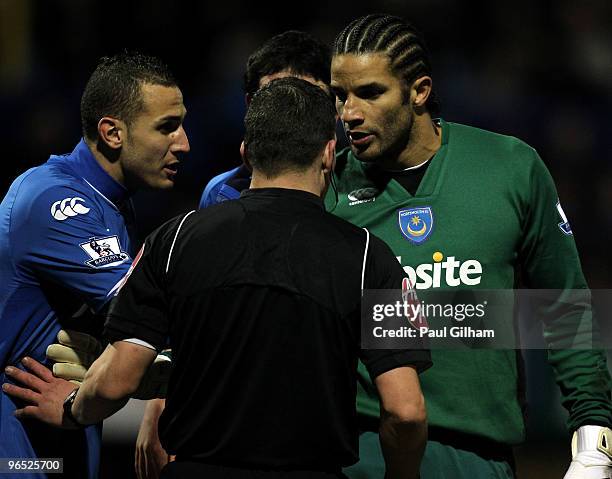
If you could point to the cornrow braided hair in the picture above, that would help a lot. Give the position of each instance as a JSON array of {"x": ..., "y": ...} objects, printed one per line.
[{"x": 400, "y": 41}]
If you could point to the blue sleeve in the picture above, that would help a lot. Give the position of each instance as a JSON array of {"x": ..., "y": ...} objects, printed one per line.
[
  {"x": 70, "y": 237},
  {"x": 211, "y": 191}
]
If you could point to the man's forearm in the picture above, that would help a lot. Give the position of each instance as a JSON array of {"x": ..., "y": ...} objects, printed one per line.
[
  {"x": 91, "y": 409},
  {"x": 403, "y": 422},
  {"x": 110, "y": 381},
  {"x": 403, "y": 443}
]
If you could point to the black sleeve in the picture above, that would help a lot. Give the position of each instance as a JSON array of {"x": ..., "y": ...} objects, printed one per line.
[
  {"x": 383, "y": 271},
  {"x": 140, "y": 309}
]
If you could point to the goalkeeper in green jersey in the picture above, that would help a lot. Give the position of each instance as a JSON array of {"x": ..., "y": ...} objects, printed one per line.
[{"x": 487, "y": 207}]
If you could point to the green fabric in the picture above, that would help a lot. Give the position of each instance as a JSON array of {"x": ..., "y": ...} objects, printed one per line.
[
  {"x": 494, "y": 202},
  {"x": 439, "y": 462}
]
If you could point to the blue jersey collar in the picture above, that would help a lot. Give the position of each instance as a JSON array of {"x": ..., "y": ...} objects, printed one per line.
[{"x": 85, "y": 165}]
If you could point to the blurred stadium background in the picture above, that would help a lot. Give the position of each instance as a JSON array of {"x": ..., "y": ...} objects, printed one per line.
[{"x": 540, "y": 70}]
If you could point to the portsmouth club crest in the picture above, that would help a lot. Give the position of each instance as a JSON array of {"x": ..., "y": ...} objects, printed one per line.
[
  {"x": 415, "y": 224},
  {"x": 104, "y": 252}
]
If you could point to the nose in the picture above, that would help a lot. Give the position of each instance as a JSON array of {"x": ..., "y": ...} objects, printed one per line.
[
  {"x": 181, "y": 142},
  {"x": 351, "y": 113}
]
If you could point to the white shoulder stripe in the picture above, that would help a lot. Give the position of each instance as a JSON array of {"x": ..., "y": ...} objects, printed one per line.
[
  {"x": 96, "y": 190},
  {"x": 365, "y": 255},
  {"x": 175, "y": 237}
]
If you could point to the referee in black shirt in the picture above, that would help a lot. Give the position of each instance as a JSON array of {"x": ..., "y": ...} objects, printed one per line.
[{"x": 260, "y": 298}]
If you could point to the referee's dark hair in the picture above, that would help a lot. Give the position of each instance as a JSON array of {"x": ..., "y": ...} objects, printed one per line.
[
  {"x": 396, "y": 38},
  {"x": 288, "y": 123},
  {"x": 114, "y": 88},
  {"x": 296, "y": 52}
]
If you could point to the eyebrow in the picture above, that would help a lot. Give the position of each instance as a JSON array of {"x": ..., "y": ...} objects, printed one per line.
[
  {"x": 166, "y": 118},
  {"x": 372, "y": 84}
]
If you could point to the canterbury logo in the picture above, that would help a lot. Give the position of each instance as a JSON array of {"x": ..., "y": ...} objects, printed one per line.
[{"x": 63, "y": 209}]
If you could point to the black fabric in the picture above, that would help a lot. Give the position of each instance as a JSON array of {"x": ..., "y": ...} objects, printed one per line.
[
  {"x": 410, "y": 179},
  {"x": 261, "y": 301}
]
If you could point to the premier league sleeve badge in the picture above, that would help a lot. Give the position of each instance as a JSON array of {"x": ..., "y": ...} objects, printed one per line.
[{"x": 104, "y": 252}]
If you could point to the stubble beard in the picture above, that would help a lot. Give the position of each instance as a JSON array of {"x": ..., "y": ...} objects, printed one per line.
[{"x": 388, "y": 155}]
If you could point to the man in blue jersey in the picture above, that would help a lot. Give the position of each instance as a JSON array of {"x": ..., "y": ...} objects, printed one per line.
[
  {"x": 64, "y": 234},
  {"x": 292, "y": 53}
]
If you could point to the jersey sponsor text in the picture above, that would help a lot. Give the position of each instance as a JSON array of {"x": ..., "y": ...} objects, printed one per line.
[{"x": 451, "y": 271}]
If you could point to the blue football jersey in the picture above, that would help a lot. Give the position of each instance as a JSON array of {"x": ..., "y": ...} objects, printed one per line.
[
  {"x": 226, "y": 186},
  {"x": 64, "y": 247}
]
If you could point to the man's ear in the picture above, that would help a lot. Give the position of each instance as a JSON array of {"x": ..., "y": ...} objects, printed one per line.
[
  {"x": 421, "y": 89},
  {"x": 243, "y": 154},
  {"x": 111, "y": 132},
  {"x": 329, "y": 157}
]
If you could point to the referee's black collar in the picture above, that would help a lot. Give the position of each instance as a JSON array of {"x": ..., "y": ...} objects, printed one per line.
[{"x": 284, "y": 193}]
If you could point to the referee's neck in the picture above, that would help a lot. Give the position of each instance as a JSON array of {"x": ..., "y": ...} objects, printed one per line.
[{"x": 304, "y": 181}]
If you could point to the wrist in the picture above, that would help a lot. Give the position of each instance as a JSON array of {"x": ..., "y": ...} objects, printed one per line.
[{"x": 68, "y": 402}]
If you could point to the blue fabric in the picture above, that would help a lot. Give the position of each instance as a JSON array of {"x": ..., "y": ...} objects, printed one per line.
[
  {"x": 63, "y": 244},
  {"x": 217, "y": 190}
]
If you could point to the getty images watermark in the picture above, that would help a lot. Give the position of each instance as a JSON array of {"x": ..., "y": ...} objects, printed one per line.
[{"x": 485, "y": 319}]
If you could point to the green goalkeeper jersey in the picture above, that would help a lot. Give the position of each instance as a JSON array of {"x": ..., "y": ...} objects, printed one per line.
[{"x": 487, "y": 208}]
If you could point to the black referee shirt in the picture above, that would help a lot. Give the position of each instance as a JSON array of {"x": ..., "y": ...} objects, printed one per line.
[{"x": 260, "y": 298}]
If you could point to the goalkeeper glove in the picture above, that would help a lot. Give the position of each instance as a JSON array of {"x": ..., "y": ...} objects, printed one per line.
[
  {"x": 73, "y": 355},
  {"x": 591, "y": 453}
]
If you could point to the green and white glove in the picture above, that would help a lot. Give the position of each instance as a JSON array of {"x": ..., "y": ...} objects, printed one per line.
[
  {"x": 154, "y": 383},
  {"x": 591, "y": 453},
  {"x": 73, "y": 355}
]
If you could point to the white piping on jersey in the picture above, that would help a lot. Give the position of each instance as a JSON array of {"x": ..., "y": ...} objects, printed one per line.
[
  {"x": 97, "y": 191},
  {"x": 415, "y": 167},
  {"x": 174, "y": 240},
  {"x": 365, "y": 255}
]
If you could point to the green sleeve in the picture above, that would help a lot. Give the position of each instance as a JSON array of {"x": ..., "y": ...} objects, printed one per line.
[{"x": 549, "y": 260}]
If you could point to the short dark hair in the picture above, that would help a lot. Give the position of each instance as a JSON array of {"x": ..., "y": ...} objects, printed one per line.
[
  {"x": 398, "y": 39},
  {"x": 114, "y": 88},
  {"x": 295, "y": 51},
  {"x": 288, "y": 123}
]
